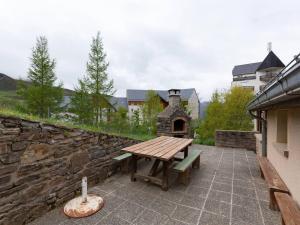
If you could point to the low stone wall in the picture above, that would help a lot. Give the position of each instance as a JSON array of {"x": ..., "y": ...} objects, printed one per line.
[
  {"x": 236, "y": 139},
  {"x": 41, "y": 165}
]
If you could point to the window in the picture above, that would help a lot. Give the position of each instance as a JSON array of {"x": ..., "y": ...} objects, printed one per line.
[{"x": 282, "y": 117}]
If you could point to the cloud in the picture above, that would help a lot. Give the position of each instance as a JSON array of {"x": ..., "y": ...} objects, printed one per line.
[{"x": 150, "y": 44}]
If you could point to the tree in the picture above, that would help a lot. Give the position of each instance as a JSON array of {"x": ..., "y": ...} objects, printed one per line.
[
  {"x": 236, "y": 116},
  {"x": 99, "y": 85},
  {"x": 120, "y": 120},
  {"x": 213, "y": 118},
  {"x": 151, "y": 108},
  {"x": 226, "y": 111},
  {"x": 81, "y": 103},
  {"x": 42, "y": 97}
]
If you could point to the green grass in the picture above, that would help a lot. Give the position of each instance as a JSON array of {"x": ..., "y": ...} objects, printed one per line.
[
  {"x": 209, "y": 141},
  {"x": 14, "y": 113}
]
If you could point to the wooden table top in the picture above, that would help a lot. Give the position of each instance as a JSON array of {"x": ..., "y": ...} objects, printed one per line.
[{"x": 163, "y": 147}]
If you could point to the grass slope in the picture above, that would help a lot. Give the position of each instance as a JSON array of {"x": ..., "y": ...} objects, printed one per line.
[{"x": 13, "y": 113}]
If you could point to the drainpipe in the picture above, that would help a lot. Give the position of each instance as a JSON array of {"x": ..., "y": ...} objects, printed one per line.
[{"x": 264, "y": 131}]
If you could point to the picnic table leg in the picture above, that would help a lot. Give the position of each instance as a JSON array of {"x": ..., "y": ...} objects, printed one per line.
[
  {"x": 165, "y": 181},
  {"x": 186, "y": 151},
  {"x": 134, "y": 167},
  {"x": 154, "y": 168}
]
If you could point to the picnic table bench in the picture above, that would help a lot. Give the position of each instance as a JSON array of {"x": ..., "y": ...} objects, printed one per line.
[
  {"x": 290, "y": 213},
  {"x": 275, "y": 183},
  {"x": 163, "y": 149}
]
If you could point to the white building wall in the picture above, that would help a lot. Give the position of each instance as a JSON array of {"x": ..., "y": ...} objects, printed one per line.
[
  {"x": 288, "y": 168},
  {"x": 132, "y": 108}
]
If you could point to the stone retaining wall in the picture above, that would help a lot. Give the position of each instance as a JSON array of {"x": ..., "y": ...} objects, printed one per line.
[
  {"x": 41, "y": 165},
  {"x": 236, "y": 139}
]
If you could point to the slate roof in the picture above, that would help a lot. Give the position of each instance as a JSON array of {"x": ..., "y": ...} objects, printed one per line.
[
  {"x": 249, "y": 68},
  {"x": 140, "y": 95},
  {"x": 118, "y": 102},
  {"x": 271, "y": 61}
]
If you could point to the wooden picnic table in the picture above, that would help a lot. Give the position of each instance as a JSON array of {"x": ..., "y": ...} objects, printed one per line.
[{"x": 163, "y": 149}]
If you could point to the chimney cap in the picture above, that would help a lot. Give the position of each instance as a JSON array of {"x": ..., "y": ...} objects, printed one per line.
[{"x": 174, "y": 91}]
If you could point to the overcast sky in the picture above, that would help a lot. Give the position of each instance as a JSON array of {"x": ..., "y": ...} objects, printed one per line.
[{"x": 155, "y": 44}]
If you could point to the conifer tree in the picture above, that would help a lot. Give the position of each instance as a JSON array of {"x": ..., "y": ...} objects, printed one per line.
[
  {"x": 100, "y": 86},
  {"x": 81, "y": 103},
  {"x": 42, "y": 97}
]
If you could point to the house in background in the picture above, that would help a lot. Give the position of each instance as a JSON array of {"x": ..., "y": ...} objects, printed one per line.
[
  {"x": 189, "y": 98},
  {"x": 277, "y": 106},
  {"x": 254, "y": 76}
]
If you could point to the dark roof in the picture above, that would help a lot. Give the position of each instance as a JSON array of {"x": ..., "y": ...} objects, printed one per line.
[
  {"x": 245, "y": 68},
  {"x": 271, "y": 61},
  {"x": 140, "y": 95},
  {"x": 118, "y": 102}
]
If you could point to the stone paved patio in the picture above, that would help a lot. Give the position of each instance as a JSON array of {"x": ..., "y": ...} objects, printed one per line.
[{"x": 227, "y": 189}]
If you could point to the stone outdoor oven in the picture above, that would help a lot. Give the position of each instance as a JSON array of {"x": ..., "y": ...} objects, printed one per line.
[{"x": 173, "y": 121}]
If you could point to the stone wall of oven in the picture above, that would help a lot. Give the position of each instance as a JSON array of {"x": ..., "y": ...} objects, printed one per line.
[
  {"x": 41, "y": 165},
  {"x": 236, "y": 139}
]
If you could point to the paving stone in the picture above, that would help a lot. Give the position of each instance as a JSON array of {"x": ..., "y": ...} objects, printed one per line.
[
  {"x": 213, "y": 219},
  {"x": 223, "y": 180},
  {"x": 192, "y": 201},
  {"x": 110, "y": 186},
  {"x": 150, "y": 217},
  {"x": 112, "y": 219},
  {"x": 186, "y": 214},
  {"x": 219, "y": 196},
  {"x": 270, "y": 216},
  {"x": 128, "y": 211},
  {"x": 244, "y": 191},
  {"x": 217, "y": 207},
  {"x": 142, "y": 198},
  {"x": 194, "y": 190},
  {"x": 248, "y": 215},
  {"x": 162, "y": 206},
  {"x": 172, "y": 222},
  {"x": 244, "y": 201},
  {"x": 243, "y": 183},
  {"x": 111, "y": 202},
  {"x": 222, "y": 187},
  {"x": 66, "y": 222},
  {"x": 93, "y": 219}
]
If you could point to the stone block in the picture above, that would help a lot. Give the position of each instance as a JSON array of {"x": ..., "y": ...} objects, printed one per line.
[
  {"x": 4, "y": 180},
  {"x": 10, "y": 131},
  {"x": 36, "y": 152},
  {"x": 29, "y": 168},
  {"x": 7, "y": 138},
  {"x": 18, "y": 146},
  {"x": 7, "y": 169},
  {"x": 3, "y": 148},
  {"x": 10, "y": 158},
  {"x": 78, "y": 160}
]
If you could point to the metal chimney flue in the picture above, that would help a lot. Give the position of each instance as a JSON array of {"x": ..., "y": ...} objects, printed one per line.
[
  {"x": 269, "y": 46},
  {"x": 174, "y": 97}
]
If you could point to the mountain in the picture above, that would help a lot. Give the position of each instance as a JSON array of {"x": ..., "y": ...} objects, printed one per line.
[
  {"x": 203, "y": 106},
  {"x": 10, "y": 84},
  {"x": 7, "y": 83}
]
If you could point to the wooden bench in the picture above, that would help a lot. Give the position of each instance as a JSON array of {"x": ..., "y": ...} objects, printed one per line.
[
  {"x": 290, "y": 213},
  {"x": 183, "y": 167},
  {"x": 275, "y": 183},
  {"x": 124, "y": 160}
]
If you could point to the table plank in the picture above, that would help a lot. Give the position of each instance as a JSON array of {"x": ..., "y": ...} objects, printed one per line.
[
  {"x": 173, "y": 148},
  {"x": 135, "y": 147},
  {"x": 157, "y": 145},
  {"x": 163, "y": 147},
  {"x": 168, "y": 155}
]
